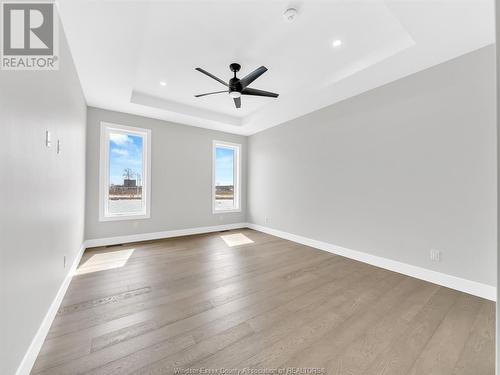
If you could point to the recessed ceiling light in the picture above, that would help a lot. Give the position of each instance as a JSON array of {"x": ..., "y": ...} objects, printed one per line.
[
  {"x": 163, "y": 83},
  {"x": 337, "y": 43}
]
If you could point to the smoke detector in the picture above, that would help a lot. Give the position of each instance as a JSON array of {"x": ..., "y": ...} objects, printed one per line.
[{"x": 290, "y": 14}]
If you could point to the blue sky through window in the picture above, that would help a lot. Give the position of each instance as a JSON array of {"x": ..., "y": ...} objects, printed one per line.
[
  {"x": 224, "y": 166},
  {"x": 125, "y": 151}
]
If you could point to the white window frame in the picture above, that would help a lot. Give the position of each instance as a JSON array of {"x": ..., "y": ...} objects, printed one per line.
[
  {"x": 236, "y": 174},
  {"x": 106, "y": 129}
]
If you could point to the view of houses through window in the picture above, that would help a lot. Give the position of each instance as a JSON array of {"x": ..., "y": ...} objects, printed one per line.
[{"x": 125, "y": 173}]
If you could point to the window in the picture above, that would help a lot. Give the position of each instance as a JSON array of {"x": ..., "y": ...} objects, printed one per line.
[
  {"x": 226, "y": 177},
  {"x": 125, "y": 173}
]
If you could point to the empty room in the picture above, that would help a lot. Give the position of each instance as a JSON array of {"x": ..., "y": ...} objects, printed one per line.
[{"x": 248, "y": 187}]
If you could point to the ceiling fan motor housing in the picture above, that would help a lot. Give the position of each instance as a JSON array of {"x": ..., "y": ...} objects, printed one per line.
[{"x": 235, "y": 85}]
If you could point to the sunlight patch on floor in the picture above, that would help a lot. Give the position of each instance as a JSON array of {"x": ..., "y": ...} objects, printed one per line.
[
  {"x": 236, "y": 239},
  {"x": 105, "y": 261}
]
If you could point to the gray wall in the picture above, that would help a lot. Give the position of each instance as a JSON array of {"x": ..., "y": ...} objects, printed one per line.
[
  {"x": 41, "y": 196},
  {"x": 181, "y": 177},
  {"x": 393, "y": 172},
  {"x": 497, "y": 34}
]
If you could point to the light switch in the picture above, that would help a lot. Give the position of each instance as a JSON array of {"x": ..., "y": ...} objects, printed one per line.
[{"x": 48, "y": 142}]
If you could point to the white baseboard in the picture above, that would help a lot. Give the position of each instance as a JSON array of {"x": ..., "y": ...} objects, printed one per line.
[
  {"x": 449, "y": 281},
  {"x": 158, "y": 235},
  {"x": 37, "y": 342}
]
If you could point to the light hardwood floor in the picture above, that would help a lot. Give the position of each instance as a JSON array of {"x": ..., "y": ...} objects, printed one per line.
[{"x": 194, "y": 302}]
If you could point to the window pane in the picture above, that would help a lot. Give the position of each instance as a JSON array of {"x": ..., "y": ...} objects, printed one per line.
[
  {"x": 224, "y": 178},
  {"x": 125, "y": 174}
]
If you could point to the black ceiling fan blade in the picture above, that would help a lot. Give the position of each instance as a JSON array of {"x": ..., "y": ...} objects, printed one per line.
[
  {"x": 211, "y": 76},
  {"x": 249, "y": 78},
  {"x": 257, "y": 92},
  {"x": 210, "y": 93},
  {"x": 237, "y": 102}
]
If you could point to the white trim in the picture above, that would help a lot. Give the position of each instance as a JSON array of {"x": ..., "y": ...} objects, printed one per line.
[
  {"x": 449, "y": 281},
  {"x": 159, "y": 235},
  {"x": 236, "y": 175},
  {"x": 106, "y": 127},
  {"x": 37, "y": 342}
]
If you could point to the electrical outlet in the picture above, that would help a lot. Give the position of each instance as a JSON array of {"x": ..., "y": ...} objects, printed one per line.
[
  {"x": 266, "y": 219},
  {"x": 435, "y": 255},
  {"x": 64, "y": 261},
  {"x": 58, "y": 146}
]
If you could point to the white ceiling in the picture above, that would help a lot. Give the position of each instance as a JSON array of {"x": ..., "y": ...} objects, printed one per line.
[{"x": 123, "y": 49}]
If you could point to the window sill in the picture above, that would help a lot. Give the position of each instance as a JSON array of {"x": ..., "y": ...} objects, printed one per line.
[
  {"x": 124, "y": 217},
  {"x": 226, "y": 211}
]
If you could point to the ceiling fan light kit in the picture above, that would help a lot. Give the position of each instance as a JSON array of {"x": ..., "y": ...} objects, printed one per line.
[{"x": 237, "y": 87}]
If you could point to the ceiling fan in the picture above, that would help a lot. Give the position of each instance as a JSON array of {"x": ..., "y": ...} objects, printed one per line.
[{"x": 237, "y": 87}]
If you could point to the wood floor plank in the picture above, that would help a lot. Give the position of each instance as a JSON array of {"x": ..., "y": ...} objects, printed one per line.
[
  {"x": 399, "y": 357},
  {"x": 353, "y": 358},
  {"x": 185, "y": 287},
  {"x": 312, "y": 318},
  {"x": 107, "y": 283},
  {"x": 443, "y": 349},
  {"x": 75, "y": 322},
  {"x": 166, "y": 261},
  {"x": 357, "y": 356},
  {"x": 165, "y": 328},
  {"x": 162, "y": 285},
  {"x": 334, "y": 341},
  {"x": 196, "y": 276},
  {"x": 477, "y": 356},
  {"x": 190, "y": 302}
]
